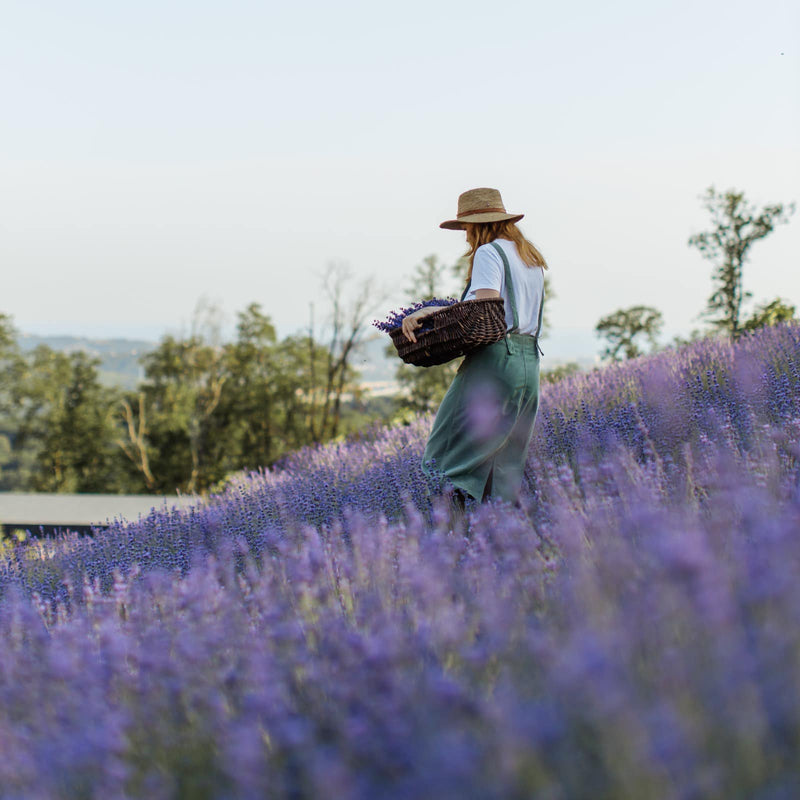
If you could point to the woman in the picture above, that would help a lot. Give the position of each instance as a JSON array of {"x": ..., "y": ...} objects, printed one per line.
[{"x": 482, "y": 430}]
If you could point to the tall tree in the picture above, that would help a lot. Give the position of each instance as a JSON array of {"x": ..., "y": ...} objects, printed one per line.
[
  {"x": 10, "y": 371},
  {"x": 66, "y": 428},
  {"x": 428, "y": 278},
  {"x": 623, "y": 330},
  {"x": 9, "y": 364},
  {"x": 247, "y": 411},
  {"x": 423, "y": 387},
  {"x": 206, "y": 410},
  {"x": 182, "y": 388},
  {"x": 348, "y": 311},
  {"x": 736, "y": 226}
]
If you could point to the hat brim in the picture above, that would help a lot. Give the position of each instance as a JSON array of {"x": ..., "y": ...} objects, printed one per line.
[{"x": 493, "y": 216}]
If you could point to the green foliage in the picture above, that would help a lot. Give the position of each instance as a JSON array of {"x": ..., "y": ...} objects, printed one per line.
[
  {"x": 249, "y": 407},
  {"x": 626, "y": 327},
  {"x": 203, "y": 411},
  {"x": 63, "y": 425},
  {"x": 10, "y": 368},
  {"x": 770, "y": 314},
  {"x": 736, "y": 226},
  {"x": 426, "y": 280},
  {"x": 8, "y": 541},
  {"x": 184, "y": 379},
  {"x": 207, "y": 410},
  {"x": 8, "y": 336},
  {"x": 422, "y": 388}
]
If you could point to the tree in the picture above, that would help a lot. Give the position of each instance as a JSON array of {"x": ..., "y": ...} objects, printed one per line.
[
  {"x": 207, "y": 409},
  {"x": 10, "y": 369},
  {"x": 172, "y": 438},
  {"x": 133, "y": 439},
  {"x": 204, "y": 410},
  {"x": 268, "y": 406},
  {"x": 424, "y": 387},
  {"x": 182, "y": 388},
  {"x": 247, "y": 413},
  {"x": 9, "y": 365},
  {"x": 66, "y": 427},
  {"x": 427, "y": 277},
  {"x": 737, "y": 225},
  {"x": 347, "y": 325},
  {"x": 57, "y": 422},
  {"x": 622, "y": 329},
  {"x": 770, "y": 314}
]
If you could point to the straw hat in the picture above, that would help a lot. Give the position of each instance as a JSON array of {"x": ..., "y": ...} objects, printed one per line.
[{"x": 479, "y": 205}]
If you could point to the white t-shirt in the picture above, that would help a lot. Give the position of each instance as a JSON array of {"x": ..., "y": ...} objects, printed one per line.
[{"x": 488, "y": 273}]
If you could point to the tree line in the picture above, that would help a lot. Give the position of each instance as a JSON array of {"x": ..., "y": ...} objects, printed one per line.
[{"x": 206, "y": 409}]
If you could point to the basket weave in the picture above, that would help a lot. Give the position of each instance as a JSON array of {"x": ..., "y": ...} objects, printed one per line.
[{"x": 454, "y": 331}]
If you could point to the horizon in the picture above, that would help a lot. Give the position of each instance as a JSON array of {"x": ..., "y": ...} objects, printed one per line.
[
  {"x": 571, "y": 345},
  {"x": 156, "y": 155}
]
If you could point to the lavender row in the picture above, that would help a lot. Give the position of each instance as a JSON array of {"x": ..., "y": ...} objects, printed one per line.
[
  {"x": 628, "y": 649},
  {"x": 663, "y": 410}
]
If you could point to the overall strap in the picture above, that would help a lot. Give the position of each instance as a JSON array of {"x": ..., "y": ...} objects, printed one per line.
[
  {"x": 510, "y": 286},
  {"x": 539, "y": 325}
]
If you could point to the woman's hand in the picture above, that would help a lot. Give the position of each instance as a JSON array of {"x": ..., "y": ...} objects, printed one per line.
[{"x": 412, "y": 321}]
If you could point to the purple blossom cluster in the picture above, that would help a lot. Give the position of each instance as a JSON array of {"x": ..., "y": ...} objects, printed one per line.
[
  {"x": 330, "y": 629},
  {"x": 395, "y": 318}
]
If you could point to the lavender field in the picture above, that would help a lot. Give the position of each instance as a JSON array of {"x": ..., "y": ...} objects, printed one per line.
[{"x": 325, "y": 630}]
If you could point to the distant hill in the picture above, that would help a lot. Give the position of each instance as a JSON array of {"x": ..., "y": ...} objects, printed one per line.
[{"x": 119, "y": 358}]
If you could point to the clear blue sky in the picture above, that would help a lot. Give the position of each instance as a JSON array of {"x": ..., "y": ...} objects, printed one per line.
[{"x": 152, "y": 153}]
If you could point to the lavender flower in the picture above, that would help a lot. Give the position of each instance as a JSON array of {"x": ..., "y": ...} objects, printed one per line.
[
  {"x": 395, "y": 318},
  {"x": 326, "y": 629}
]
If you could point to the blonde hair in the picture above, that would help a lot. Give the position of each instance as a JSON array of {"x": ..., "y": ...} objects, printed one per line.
[{"x": 480, "y": 233}]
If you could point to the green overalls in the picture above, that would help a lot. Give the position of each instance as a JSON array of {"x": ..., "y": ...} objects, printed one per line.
[{"x": 483, "y": 427}]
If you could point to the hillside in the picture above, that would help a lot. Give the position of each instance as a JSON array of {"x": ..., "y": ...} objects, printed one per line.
[
  {"x": 325, "y": 629},
  {"x": 119, "y": 358}
]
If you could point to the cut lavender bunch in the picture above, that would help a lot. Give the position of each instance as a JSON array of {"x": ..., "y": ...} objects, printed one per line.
[{"x": 395, "y": 318}]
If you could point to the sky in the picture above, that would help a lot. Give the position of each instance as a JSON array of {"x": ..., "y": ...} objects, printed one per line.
[{"x": 154, "y": 155}]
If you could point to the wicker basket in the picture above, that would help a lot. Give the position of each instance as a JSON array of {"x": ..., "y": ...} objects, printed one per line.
[{"x": 452, "y": 332}]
